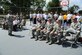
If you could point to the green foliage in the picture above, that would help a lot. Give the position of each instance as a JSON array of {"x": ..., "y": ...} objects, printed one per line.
[
  {"x": 54, "y": 6},
  {"x": 6, "y": 5},
  {"x": 22, "y": 3},
  {"x": 53, "y": 3},
  {"x": 74, "y": 8},
  {"x": 56, "y": 2},
  {"x": 80, "y": 12},
  {"x": 38, "y": 3}
]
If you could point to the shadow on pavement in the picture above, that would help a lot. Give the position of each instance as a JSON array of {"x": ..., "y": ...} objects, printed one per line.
[
  {"x": 26, "y": 29},
  {"x": 19, "y": 30},
  {"x": 67, "y": 44},
  {"x": 75, "y": 46},
  {"x": 19, "y": 36}
]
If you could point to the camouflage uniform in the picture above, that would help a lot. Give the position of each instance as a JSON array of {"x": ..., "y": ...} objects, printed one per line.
[
  {"x": 10, "y": 25},
  {"x": 35, "y": 27},
  {"x": 49, "y": 29},
  {"x": 73, "y": 28},
  {"x": 42, "y": 26},
  {"x": 53, "y": 32}
]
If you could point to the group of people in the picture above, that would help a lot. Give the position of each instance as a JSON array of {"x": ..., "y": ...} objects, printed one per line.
[
  {"x": 48, "y": 26},
  {"x": 13, "y": 22},
  {"x": 51, "y": 26}
]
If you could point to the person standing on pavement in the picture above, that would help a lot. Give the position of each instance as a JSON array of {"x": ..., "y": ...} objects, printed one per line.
[
  {"x": 10, "y": 23},
  {"x": 56, "y": 16},
  {"x": 31, "y": 17},
  {"x": 15, "y": 23},
  {"x": 69, "y": 16},
  {"x": 34, "y": 18}
]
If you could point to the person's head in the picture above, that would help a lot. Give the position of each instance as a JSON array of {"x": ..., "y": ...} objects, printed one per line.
[
  {"x": 78, "y": 14},
  {"x": 56, "y": 12},
  {"x": 14, "y": 17},
  {"x": 9, "y": 12},
  {"x": 68, "y": 12},
  {"x": 60, "y": 13},
  {"x": 38, "y": 12},
  {"x": 49, "y": 20},
  {"x": 75, "y": 20},
  {"x": 42, "y": 21},
  {"x": 74, "y": 13},
  {"x": 57, "y": 21},
  {"x": 30, "y": 12},
  {"x": 51, "y": 13}
]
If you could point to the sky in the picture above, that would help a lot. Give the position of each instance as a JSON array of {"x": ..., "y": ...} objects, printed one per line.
[
  {"x": 76, "y": 2},
  {"x": 71, "y": 3}
]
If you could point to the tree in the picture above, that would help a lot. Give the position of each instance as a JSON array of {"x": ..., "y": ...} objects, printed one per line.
[
  {"x": 38, "y": 4},
  {"x": 80, "y": 12},
  {"x": 54, "y": 5},
  {"x": 5, "y": 5},
  {"x": 57, "y": 3},
  {"x": 74, "y": 8},
  {"x": 22, "y": 5}
]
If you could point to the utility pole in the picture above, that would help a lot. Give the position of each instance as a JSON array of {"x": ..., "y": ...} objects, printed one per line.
[{"x": 68, "y": 4}]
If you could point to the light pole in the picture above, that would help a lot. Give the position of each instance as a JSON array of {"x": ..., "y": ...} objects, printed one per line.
[{"x": 68, "y": 4}]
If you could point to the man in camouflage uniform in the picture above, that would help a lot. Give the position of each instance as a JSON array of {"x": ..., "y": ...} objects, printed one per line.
[
  {"x": 10, "y": 23},
  {"x": 54, "y": 32},
  {"x": 74, "y": 29},
  {"x": 34, "y": 28},
  {"x": 81, "y": 25},
  {"x": 47, "y": 30},
  {"x": 38, "y": 31}
]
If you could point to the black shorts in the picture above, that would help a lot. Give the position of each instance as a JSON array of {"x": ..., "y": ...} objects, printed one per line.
[
  {"x": 30, "y": 19},
  {"x": 69, "y": 21}
]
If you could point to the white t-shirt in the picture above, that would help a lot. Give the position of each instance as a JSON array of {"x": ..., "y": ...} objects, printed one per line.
[
  {"x": 69, "y": 16},
  {"x": 56, "y": 15},
  {"x": 78, "y": 17},
  {"x": 60, "y": 17},
  {"x": 30, "y": 15},
  {"x": 45, "y": 16},
  {"x": 34, "y": 15},
  {"x": 15, "y": 22},
  {"x": 50, "y": 15},
  {"x": 7, "y": 16},
  {"x": 41, "y": 15},
  {"x": 38, "y": 15}
]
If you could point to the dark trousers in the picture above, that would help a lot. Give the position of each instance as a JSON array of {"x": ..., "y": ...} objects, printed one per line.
[
  {"x": 69, "y": 21},
  {"x": 33, "y": 33},
  {"x": 34, "y": 21},
  {"x": 10, "y": 28},
  {"x": 14, "y": 27}
]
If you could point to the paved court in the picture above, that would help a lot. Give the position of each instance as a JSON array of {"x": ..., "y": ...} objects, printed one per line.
[{"x": 23, "y": 45}]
